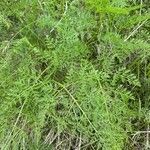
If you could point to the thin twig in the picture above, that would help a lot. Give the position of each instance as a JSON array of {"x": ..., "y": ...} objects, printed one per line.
[
  {"x": 64, "y": 14},
  {"x": 17, "y": 120},
  {"x": 147, "y": 139},
  {"x": 135, "y": 30},
  {"x": 141, "y": 3},
  {"x": 79, "y": 145},
  {"x": 140, "y": 132},
  {"x": 75, "y": 101}
]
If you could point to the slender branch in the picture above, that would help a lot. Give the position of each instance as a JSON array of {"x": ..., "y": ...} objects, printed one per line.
[{"x": 135, "y": 30}]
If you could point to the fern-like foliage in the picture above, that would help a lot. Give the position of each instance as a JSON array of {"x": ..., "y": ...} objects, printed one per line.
[{"x": 74, "y": 74}]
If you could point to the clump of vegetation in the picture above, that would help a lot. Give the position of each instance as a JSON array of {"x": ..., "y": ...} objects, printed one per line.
[{"x": 74, "y": 74}]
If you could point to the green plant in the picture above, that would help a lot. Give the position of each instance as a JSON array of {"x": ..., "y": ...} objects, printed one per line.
[{"x": 74, "y": 74}]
